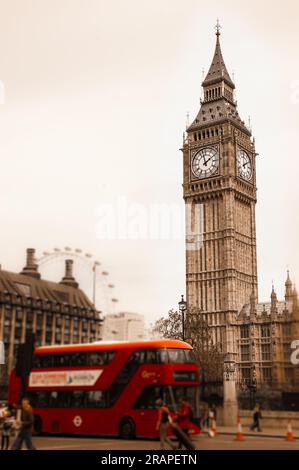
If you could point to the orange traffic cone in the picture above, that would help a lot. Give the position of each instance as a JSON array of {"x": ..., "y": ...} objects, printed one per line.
[
  {"x": 239, "y": 436},
  {"x": 214, "y": 426},
  {"x": 290, "y": 435}
]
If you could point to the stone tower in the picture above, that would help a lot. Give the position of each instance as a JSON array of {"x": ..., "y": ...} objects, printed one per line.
[{"x": 220, "y": 195}]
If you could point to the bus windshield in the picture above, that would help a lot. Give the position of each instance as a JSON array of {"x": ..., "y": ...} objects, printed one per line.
[{"x": 176, "y": 356}]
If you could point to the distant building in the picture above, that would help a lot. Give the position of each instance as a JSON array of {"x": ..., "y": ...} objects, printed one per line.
[
  {"x": 57, "y": 313},
  {"x": 123, "y": 326}
]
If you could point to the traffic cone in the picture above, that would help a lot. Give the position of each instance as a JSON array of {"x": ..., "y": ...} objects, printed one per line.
[
  {"x": 290, "y": 435},
  {"x": 239, "y": 436}
]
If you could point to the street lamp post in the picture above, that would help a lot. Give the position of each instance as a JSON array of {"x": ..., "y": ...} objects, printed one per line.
[
  {"x": 182, "y": 309},
  {"x": 95, "y": 264}
]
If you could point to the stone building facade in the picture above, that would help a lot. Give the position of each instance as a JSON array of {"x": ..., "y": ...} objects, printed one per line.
[
  {"x": 57, "y": 313},
  {"x": 220, "y": 193},
  {"x": 264, "y": 333}
]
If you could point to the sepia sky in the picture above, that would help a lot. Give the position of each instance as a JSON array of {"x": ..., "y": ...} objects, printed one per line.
[{"x": 95, "y": 101}]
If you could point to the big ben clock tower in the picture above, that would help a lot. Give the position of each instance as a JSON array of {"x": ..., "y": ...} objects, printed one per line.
[{"x": 220, "y": 195}]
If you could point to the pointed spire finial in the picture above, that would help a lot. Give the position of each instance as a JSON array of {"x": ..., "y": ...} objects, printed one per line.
[
  {"x": 217, "y": 28},
  {"x": 187, "y": 120},
  {"x": 249, "y": 123},
  {"x": 288, "y": 281}
]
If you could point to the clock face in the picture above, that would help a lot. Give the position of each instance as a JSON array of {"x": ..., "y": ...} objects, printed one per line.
[
  {"x": 244, "y": 165},
  {"x": 205, "y": 162}
]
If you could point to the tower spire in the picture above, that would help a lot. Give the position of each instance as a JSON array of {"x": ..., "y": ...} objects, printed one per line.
[
  {"x": 218, "y": 71},
  {"x": 217, "y": 28},
  {"x": 288, "y": 288},
  {"x": 273, "y": 299},
  {"x": 218, "y": 88}
]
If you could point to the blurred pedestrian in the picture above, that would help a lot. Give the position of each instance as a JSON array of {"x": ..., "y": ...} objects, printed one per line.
[
  {"x": 7, "y": 426},
  {"x": 257, "y": 417},
  {"x": 3, "y": 410},
  {"x": 211, "y": 416},
  {"x": 26, "y": 427},
  {"x": 204, "y": 415},
  {"x": 184, "y": 418},
  {"x": 163, "y": 424}
]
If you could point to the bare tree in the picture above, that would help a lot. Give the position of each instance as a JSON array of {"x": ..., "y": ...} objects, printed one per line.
[{"x": 198, "y": 333}]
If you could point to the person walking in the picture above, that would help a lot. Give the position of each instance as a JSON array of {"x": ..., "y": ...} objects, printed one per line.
[
  {"x": 211, "y": 416},
  {"x": 163, "y": 424},
  {"x": 257, "y": 416},
  {"x": 204, "y": 415},
  {"x": 184, "y": 417},
  {"x": 7, "y": 425},
  {"x": 26, "y": 427}
]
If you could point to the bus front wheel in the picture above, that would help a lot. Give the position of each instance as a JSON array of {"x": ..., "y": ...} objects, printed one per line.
[{"x": 127, "y": 429}]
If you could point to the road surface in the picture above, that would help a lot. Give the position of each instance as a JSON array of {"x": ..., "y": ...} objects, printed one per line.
[{"x": 220, "y": 442}]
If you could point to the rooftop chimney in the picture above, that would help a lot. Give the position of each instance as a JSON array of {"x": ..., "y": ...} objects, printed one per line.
[
  {"x": 68, "y": 278},
  {"x": 31, "y": 268}
]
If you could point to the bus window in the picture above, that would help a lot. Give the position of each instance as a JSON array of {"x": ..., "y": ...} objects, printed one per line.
[
  {"x": 54, "y": 402},
  {"x": 97, "y": 358},
  {"x": 77, "y": 359},
  {"x": 39, "y": 399},
  {"x": 95, "y": 399},
  {"x": 176, "y": 356},
  {"x": 61, "y": 360},
  {"x": 77, "y": 399},
  {"x": 109, "y": 356},
  {"x": 137, "y": 357},
  {"x": 148, "y": 397},
  {"x": 163, "y": 356},
  {"x": 151, "y": 356},
  {"x": 46, "y": 360},
  {"x": 184, "y": 392},
  {"x": 189, "y": 356},
  {"x": 36, "y": 362}
]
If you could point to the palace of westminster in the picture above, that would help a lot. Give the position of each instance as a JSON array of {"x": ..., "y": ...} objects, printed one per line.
[{"x": 219, "y": 185}]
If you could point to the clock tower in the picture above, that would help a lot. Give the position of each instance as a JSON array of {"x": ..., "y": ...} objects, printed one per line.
[{"x": 220, "y": 195}]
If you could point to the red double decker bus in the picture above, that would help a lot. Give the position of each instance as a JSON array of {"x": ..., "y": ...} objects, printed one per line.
[{"x": 108, "y": 388}]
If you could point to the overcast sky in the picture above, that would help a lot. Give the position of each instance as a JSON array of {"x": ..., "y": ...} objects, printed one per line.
[{"x": 96, "y": 97}]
